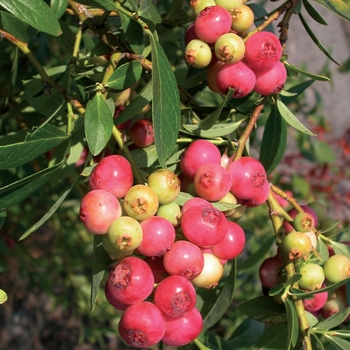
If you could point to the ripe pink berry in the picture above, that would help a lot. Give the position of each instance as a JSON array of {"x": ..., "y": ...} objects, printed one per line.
[
  {"x": 98, "y": 209},
  {"x": 269, "y": 270},
  {"x": 195, "y": 201},
  {"x": 272, "y": 81},
  {"x": 212, "y": 74},
  {"x": 113, "y": 174},
  {"x": 262, "y": 50},
  {"x": 184, "y": 259},
  {"x": 259, "y": 199},
  {"x": 248, "y": 177},
  {"x": 198, "y": 153},
  {"x": 158, "y": 236},
  {"x": 130, "y": 281},
  {"x": 211, "y": 23},
  {"x": 316, "y": 303},
  {"x": 212, "y": 182},
  {"x": 141, "y": 133},
  {"x": 142, "y": 325},
  {"x": 174, "y": 296},
  {"x": 157, "y": 267},
  {"x": 238, "y": 76},
  {"x": 204, "y": 226},
  {"x": 232, "y": 243},
  {"x": 113, "y": 301},
  {"x": 190, "y": 34},
  {"x": 183, "y": 330}
]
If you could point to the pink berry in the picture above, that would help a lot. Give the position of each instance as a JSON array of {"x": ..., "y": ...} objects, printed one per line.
[
  {"x": 113, "y": 174},
  {"x": 238, "y": 76},
  {"x": 174, "y": 296},
  {"x": 269, "y": 271},
  {"x": 259, "y": 199},
  {"x": 130, "y": 281},
  {"x": 190, "y": 34},
  {"x": 263, "y": 50},
  {"x": 184, "y": 259},
  {"x": 183, "y": 330},
  {"x": 198, "y": 153},
  {"x": 212, "y": 74},
  {"x": 212, "y": 182},
  {"x": 248, "y": 177},
  {"x": 157, "y": 267},
  {"x": 211, "y": 23},
  {"x": 232, "y": 243},
  {"x": 195, "y": 201},
  {"x": 113, "y": 301},
  {"x": 316, "y": 303},
  {"x": 158, "y": 236},
  {"x": 270, "y": 82},
  {"x": 98, "y": 209},
  {"x": 142, "y": 325},
  {"x": 141, "y": 133},
  {"x": 204, "y": 226}
]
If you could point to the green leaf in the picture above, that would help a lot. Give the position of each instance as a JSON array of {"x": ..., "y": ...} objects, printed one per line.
[
  {"x": 98, "y": 124},
  {"x": 313, "y": 12},
  {"x": 59, "y": 7},
  {"x": 322, "y": 249},
  {"x": 223, "y": 300},
  {"x": 215, "y": 131},
  {"x": 147, "y": 10},
  {"x": 293, "y": 325},
  {"x": 133, "y": 32},
  {"x": 333, "y": 321},
  {"x": 323, "y": 152},
  {"x": 274, "y": 337},
  {"x": 143, "y": 98},
  {"x": 264, "y": 309},
  {"x": 51, "y": 211},
  {"x": 294, "y": 71},
  {"x": 340, "y": 7},
  {"x": 21, "y": 189},
  {"x": 166, "y": 103},
  {"x": 145, "y": 157},
  {"x": 104, "y": 4},
  {"x": 182, "y": 198},
  {"x": 101, "y": 260},
  {"x": 3, "y": 215},
  {"x": 291, "y": 119},
  {"x": 13, "y": 25},
  {"x": 274, "y": 141},
  {"x": 295, "y": 91},
  {"x": 36, "y": 13},
  {"x": 209, "y": 121},
  {"x": 3, "y": 296},
  {"x": 125, "y": 76},
  {"x": 315, "y": 40},
  {"x": 316, "y": 342},
  {"x": 341, "y": 248},
  {"x": 338, "y": 342},
  {"x": 40, "y": 141}
]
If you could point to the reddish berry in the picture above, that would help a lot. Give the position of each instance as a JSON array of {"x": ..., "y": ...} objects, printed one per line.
[
  {"x": 113, "y": 301},
  {"x": 190, "y": 34},
  {"x": 174, "y": 296},
  {"x": 204, "y": 226},
  {"x": 248, "y": 178},
  {"x": 98, "y": 209},
  {"x": 238, "y": 76},
  {"x": 259, "y": 199},
  {"x": 316, "y": 303},
  {"x": 198, "y": 153},
  {"x": 183, "y": 330},
  {"x": 212, "y": 76},
  {"x": 157, "y": 267},
  {"x": 141, "y": 133},
  {"x": 263, "y": 50},
  {"x": 269, "y": 271},
  {"x": 212, "y": 182},
  {"x": 195, "y": 201},
  {"x": 130, "y": 281},
  {"x": 184, "y": 259},
  {"x": 142, "y": 325},
  {"x": 158, "y": 236},
  {"x": 211, "y": 23},
  {"x": 232, "y": 243}
]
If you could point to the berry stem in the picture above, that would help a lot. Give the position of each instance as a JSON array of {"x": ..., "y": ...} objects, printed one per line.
[
  {"x": 248, "y": 130},
  {"x": 291, "y": 200}
]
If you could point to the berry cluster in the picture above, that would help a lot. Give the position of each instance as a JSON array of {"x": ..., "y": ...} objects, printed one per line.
[
  {"x": 165, "y": 250},
  {"x": 299, "y": 245},
  {"x": 218, "y": 39}
]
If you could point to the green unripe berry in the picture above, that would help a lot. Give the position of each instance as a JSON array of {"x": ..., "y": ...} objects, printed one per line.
[
  {"x": 296, "y": 245},
  {"x": 337, "y": 268},
  {"x": 198, "y": 53},
  {"x": 171, "y": 212},
  {"x": 229, "y": 48},
  {"x": 312, "y": 276}
]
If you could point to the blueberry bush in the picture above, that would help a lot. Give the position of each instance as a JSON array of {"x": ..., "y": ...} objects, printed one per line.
[{"x": 151, "y": 138}]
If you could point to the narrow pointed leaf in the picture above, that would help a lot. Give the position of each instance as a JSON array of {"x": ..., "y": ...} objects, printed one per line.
[
  {"x": 315, "y": 40},
  {"x": 291, "y": 119},
  {"x": 293, "y": 326},
  {"x": 133, "y": 32},
  {"x": 125, "y": 76},
  {"x": 3, "y": 215},
  {"x": 340, "y": 7},
  {"x": 209, "y": 121},
  {"x": 340, "y": 343},
  {"x": 274, "y": 141},
  {"x": 333, "y": 321},
  {"x": 21, "y": 189},
  {"x": 149, "y": 11},
  {"x": 316, "y": 342},
  {"x": 13, "y": 25},
  {"x": 166, "y": 103},
  {"x": 58, "y": 7},
  {"x": 223, "y": 300},
  {"x": 295, "y": 70},
  {"x": 36, "y": 13},
  {"x": 313, "y": 12},
  {"x": 100, "y": 262},
  {"x": 40, "y": 141},
  {"x": 295, "y": 91},
  {"x": 98, "y": 124},
  {"x": 104, "y": 4},
  {"x": 51, "y": 211}
]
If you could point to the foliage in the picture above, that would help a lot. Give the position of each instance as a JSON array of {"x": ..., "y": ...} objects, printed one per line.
[{"x": 65, "y": 63}]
